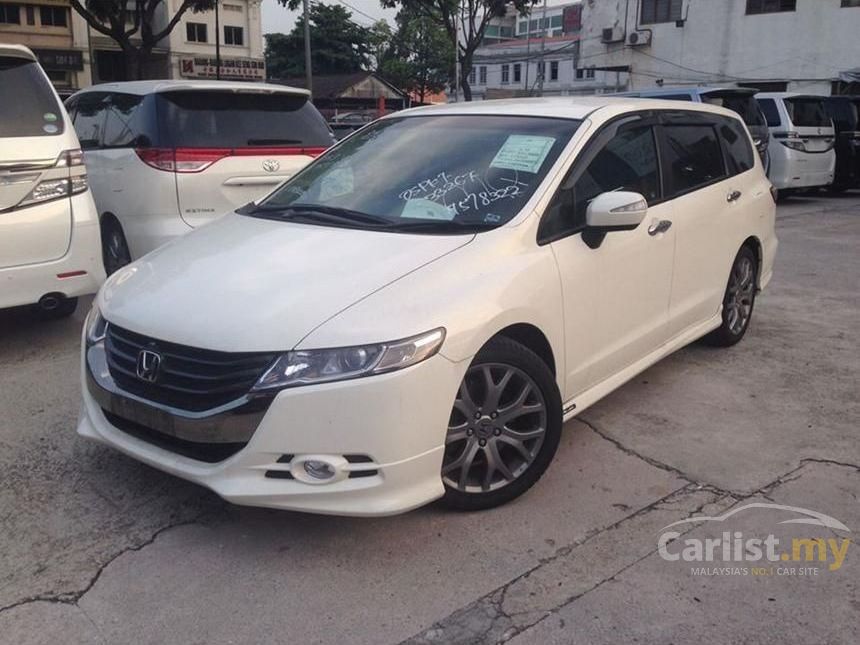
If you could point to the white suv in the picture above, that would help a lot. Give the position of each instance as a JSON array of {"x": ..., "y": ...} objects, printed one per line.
[
  {"x": 49, "y": 235},
  {"x": 416, "y": 313},
  {"x": 167, "y": 156}
]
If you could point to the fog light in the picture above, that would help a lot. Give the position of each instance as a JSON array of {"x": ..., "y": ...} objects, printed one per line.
[{"x": 318, "y": 469}]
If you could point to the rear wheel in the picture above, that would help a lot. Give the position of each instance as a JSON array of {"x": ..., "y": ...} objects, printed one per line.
[
  {"x": 738, "y": 300},
  {"x": 63, "y": 309},
  {"x": 115, "y": 252},
  {"x": 504, "y": 429}
]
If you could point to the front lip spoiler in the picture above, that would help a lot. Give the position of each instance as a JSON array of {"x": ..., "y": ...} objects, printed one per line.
[{"x": 234, "y": 422}]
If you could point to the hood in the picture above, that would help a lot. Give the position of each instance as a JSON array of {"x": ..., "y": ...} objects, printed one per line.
[{"x": 248, "y": 284}]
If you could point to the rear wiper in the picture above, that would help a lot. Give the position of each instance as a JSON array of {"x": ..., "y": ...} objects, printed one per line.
[{"x": 271, "y": 142}]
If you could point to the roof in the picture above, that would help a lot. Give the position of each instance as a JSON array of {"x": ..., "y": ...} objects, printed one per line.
[
  {"x": 151, "y": 87},
  {"x": 787, "y": 95},
  {"x": 335, "y": 85},
  {"x": 16, "y": 51},
  {"x": 564, "y": 107},
  {"x": 684, "y": 89}
]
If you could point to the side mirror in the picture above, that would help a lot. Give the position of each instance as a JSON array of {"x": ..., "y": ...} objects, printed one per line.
[{"x": 616, "y": 211}]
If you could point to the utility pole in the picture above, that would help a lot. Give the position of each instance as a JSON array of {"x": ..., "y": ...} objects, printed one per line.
[
  {"x": 542, "y": 65},
  {"x": 217, "y": 42},
  {"x": 308, "y": 70}
]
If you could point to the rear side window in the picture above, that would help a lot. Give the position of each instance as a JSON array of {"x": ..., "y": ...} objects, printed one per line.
[
  {"x": 120, "y": 129},
  {"x": 692, "y": 157},
  {"x": 28, "y": 107},
  {"x": 844, "y": 114},
  {"x": 217, "y": 119},
  {"x": 89, "y": 117},
  {"x": 739, "y": 152},
  {"x": 770, "y": 111},
  {"x": 807, "y": 113}
]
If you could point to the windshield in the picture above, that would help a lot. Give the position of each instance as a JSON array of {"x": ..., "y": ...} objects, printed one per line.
[
  {"x": 450, "y": 171},
  {"x": 743, "y": 104},
  {"x": 28, "y": 107},
  {"x": 808, "y": 113},
  {"x": 205, "y": 119}
]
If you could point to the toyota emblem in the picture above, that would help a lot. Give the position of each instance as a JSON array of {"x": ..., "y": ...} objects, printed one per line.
[
  {"x": 271, "y": 165},
  {"x": 148, "y": 363}
]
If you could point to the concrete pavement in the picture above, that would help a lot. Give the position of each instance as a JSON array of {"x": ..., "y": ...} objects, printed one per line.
[{"x": 96, "y": 548}]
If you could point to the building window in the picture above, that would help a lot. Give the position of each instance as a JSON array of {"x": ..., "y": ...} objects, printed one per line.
[
  {"x": 771, "y": 6},
  {"x": 31, "y": 14},
  {"x": 482, "y": 75},
  {"x": 851, "y": 3},
  {"x": 53, "y": 16},
  {"x": 582, "y": 73},
  {"x": 237, "y": 8},
  {"x": 553, "y": 70},
  {"x": 522, "y": 26},
  {"x": 653, "y": 11},
  {"x": 472, "y": 76},
  {"x": 518, "y": 70},
  {"x": 541, "y": 68},
  {"x": 506, "y": 74},
  {"x": 10, "y": 14},
  {"x": 233, "y": 36},
  {"x": 195, "y": 32},
  {"x": 556, "y": 21}
]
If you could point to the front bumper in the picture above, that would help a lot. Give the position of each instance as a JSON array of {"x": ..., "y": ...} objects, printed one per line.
[{"x": 398, "y": 420}]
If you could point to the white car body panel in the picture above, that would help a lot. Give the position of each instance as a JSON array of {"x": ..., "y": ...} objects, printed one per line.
[{"x": 246, "y": 284}]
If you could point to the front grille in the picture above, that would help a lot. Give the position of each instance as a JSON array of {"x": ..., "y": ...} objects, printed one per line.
[
  {"x": 188, "y": 378},
  {"x": 208, "y": 452}
]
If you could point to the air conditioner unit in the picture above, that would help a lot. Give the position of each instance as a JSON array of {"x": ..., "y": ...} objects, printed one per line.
[
  {"x": 639, "y": 38},
  {"x": 609, "y": 36}
]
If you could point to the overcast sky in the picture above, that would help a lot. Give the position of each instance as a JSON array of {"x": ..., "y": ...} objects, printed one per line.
[{"x": 277, "y": 18}]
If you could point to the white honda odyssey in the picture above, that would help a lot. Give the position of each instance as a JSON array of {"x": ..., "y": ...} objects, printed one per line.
[
  {"x": 165, "y": 157},
  {"x": 50, "y": 251},
  {"x": 416, "y": 313}
]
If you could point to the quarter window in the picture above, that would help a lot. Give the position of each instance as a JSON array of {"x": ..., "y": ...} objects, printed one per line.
[
  {"x": 119, "y": 130},
  {"x": 770, "y": 111},
  {"x": 89, "y": 120},
  {"x": 739, "y": 152},
  {"x": 653, "y": 11},
  {"x": 692, "y": 157},
  {"x": 770, "y": 6},
  {"x": 627, "y": 162}
]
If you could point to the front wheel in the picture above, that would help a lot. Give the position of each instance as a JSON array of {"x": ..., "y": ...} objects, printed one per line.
[
  {"x": 738, "y": 300},
  {"x": 504, "y": 429}
]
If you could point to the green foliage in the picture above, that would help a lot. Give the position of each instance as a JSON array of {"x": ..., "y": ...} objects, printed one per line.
[{"x": 338, "y": 45}]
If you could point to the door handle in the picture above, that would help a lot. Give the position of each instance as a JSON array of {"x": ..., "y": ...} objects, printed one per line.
[
  {"x": 659, "y": 227},
  {"x": 734, "y": 196}
]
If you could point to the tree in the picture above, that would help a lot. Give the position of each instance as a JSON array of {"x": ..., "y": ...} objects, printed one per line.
[
  {"x": 468, "y": 17},
  {"x": 340, "y": 46},
  {"x": 419, "y": 58},
  {"x": 132, "y": 25}
]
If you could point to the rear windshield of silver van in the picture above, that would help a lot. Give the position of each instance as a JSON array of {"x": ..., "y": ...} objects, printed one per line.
[
  {"x": 28, "y": 107},
  {"x": 807, "y": 113}
]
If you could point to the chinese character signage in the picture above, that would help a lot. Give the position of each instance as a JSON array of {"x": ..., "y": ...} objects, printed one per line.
[
  {"x": 231, "y": 68},
  {"x": 60, "y": 59},
  {"x": 572, "y": 18}
]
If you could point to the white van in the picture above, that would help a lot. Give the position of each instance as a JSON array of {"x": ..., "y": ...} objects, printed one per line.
[
  {"x": 165, "y": 157},
  {"x": 50, "y": 249},
  {"x": 806, "y": 157}
]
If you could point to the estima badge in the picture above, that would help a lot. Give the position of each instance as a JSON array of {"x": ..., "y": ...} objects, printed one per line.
[
  {"x": 271, "y": 165},
  {"x": 148, "y": 363}
]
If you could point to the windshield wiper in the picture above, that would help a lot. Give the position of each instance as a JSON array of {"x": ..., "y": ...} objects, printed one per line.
[
  {"x": 442, "y": 226},
  {"x": 329, "y": 214}
]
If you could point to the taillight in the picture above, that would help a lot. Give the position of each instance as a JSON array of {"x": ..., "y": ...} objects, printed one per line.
[{"x": 181, "y": 159}]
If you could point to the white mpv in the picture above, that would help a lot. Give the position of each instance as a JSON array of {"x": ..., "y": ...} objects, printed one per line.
[
  {"x": 50, "y": 251},
  {"x": 417, "y": 312}
]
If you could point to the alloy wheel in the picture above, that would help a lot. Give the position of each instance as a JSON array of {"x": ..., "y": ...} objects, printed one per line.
[
  {"x": 739, "y": 297},
  {"x": 496, "y": 429}
]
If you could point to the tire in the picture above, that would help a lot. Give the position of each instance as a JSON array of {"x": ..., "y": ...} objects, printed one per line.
[
  {"x": 490, "y": 425},
  {"x": 115, "y": 252},
  {"x": 64, "y": 309},
  {"x": 738, "y": 301}
]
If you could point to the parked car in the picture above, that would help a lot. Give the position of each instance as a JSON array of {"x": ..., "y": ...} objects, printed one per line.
[
  {"x": 737, "y": 99},
  {"x": 845, "y": 113},
  {"x": 50, "y": 252},
  {"x": 167, "y": 156},
  {"x": 415, "y": 314},
  {"x": 799, "y": 122}
]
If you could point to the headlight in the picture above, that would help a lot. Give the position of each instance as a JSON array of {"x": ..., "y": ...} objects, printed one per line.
[
  {"x": 96, "y": 327},
  {"x": 305, "y": 367}
]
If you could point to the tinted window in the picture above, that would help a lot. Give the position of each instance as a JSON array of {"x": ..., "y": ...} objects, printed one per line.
[
  {"x": 692, "y": 156},
  {"x": 844, "y": 113},
  {"x": 770, "y": 111},
  {"x": 119, "y": 125},
  {"x": 739, "y": 152},
  {"x": 627, "y": 162},
  {"x": 214, "y": 119},
  {"x": 437, "y": 170},
  {"x": 89, "y": 119},
  {"x": 28, "y": 107},
  {"x": 807, "y": 113},
  {"x": 743, "y": 104}
]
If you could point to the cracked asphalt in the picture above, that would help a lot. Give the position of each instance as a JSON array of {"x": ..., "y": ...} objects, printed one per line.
[{"x": 96, "y": 548}]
